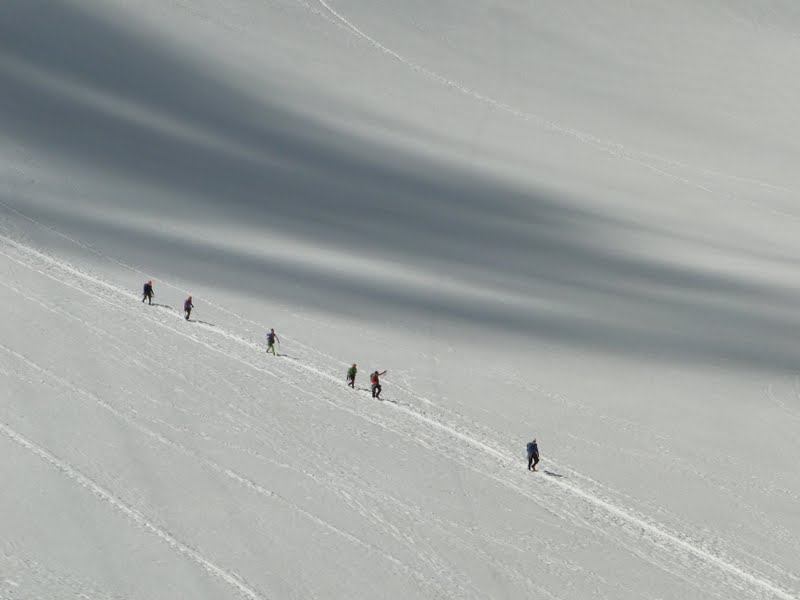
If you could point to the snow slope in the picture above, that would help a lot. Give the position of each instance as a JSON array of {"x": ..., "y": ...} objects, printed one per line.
[{"x": 570, "y": 221}]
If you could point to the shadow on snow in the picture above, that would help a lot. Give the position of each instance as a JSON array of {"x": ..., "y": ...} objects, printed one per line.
[{"x": 113, "y": 103}]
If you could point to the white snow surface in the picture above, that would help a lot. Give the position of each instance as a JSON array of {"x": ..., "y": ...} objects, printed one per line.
[{"x": 571, "y": 220}]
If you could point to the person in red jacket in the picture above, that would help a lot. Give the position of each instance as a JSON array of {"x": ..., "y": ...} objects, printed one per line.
[
  {"x": 376, "y": 384},
  {"x": 187, "y": 307}
]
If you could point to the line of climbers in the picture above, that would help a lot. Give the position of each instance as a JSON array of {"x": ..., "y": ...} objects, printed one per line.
[
  {"x": 374, "y": 378},
  {"x": 272, "y": 337}
]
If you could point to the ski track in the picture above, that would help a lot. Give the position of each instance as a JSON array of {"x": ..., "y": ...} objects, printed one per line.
[
  {"x": 657, "y": 535},
  {"x": 129, "y": 418},
  {"x": 100, "y": 492},
  {"x": 642, "y": 159}
]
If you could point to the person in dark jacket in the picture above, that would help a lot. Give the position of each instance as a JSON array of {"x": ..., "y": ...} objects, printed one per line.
[
  {"x": 272, "y": 337},
  {"x": 187, "y": 307},
  {"x": 148, "y": 292},
  {"x": 374, "y": 379},
  {"x": 351, "y": 376},
  {"x": 533, "y": 455}
]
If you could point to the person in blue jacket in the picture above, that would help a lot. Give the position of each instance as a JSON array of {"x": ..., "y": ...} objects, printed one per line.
[{"x": 533, "y": 455}]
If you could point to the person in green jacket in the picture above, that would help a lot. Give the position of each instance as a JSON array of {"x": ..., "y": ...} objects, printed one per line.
[{"x": 351, "y": 376}]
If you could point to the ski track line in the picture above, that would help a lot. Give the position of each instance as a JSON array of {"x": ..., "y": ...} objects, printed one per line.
[
  {"x": 606, "y": 506},
  {"x": 72, "y": 473},
  {"x": 613, "y": 149},
  {"x": 130, "y": 419}
]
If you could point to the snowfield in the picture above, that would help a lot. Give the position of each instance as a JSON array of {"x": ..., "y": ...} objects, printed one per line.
[{"x": 575, "y": 221}]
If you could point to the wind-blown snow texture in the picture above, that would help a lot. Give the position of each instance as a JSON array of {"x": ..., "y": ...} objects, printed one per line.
[{"x": 570, "y": 220}]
